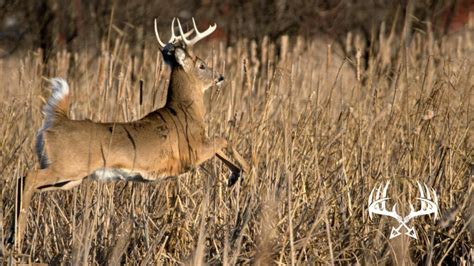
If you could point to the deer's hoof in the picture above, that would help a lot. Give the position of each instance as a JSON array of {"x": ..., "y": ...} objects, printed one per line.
[{"x": 233, "y": 178}]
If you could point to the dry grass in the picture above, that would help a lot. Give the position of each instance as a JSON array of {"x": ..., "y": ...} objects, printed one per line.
[{"x": 318, "y": 140}]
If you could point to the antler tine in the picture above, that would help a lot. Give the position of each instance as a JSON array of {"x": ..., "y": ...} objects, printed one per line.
[
  {"x": 435, "y": 199},
  {"x": 173, "y": 37},
  {"x": 371, "y": 196},
  {"x": 384, "y": 193},
  {"x": 182, "y": 34},
  {"x": 185, "y": 35},
  {"x": 423, "y": 204},
  {"x": 370, "y": 202},
  {"x": 199, "y": 35},
  {"x": 177, "y": 38},
  {"x": 158, "y": 35},
  {"x": 428, "y": 205},
  {"x": 427, "y": 192},
  {"x": 378, "y": 206}
]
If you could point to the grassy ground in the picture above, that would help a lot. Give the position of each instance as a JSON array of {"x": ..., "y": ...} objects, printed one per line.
[{"x": 318, "y": 136}]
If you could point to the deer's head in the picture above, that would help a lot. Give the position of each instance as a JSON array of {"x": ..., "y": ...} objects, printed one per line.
[{"x": 188, "y": 70}]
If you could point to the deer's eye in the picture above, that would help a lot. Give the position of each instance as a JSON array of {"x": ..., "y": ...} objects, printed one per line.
[{"x": 202, "y": 66}]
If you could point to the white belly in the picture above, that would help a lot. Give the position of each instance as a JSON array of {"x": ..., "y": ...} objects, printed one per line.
[{"x": 113, "y": 174}]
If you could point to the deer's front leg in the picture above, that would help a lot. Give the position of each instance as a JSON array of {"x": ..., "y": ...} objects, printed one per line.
[
  {"x": 234, "y": 169},
  {"x": 215, "y": 147},
  {"x": 209, "y": 148}
]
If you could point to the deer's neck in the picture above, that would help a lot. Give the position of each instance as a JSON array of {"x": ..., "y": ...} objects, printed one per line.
[{"x": 185, "y": 96}]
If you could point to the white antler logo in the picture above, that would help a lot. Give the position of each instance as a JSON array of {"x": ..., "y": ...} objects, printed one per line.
[{"x": 429, "y": 205}]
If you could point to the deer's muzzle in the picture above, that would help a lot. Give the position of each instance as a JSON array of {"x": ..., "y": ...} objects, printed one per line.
[{"x": 220, "y": 80}]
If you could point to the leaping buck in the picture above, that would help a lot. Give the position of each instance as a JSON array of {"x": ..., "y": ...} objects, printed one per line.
[{"x": 166, "y": 142}]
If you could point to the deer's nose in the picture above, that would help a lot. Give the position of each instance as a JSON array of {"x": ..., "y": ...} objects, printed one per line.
[{"x": 220, "y": 80}]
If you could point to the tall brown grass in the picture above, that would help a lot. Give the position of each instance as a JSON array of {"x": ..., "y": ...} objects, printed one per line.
[{"x": 319, "y": 132}]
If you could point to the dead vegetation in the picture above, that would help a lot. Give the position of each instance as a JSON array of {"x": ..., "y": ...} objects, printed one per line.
[{"x": 317, "y": 134}]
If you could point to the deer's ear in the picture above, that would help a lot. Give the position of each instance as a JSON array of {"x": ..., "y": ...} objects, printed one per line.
[{"x": 180, "y": 56}]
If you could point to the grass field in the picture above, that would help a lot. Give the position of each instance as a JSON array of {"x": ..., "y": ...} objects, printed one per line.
[{"x": 318, "y": 131}]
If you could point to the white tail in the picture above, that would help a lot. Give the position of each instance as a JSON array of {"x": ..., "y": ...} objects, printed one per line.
[
  {"x": 60, "y": 90},
  {"x": 57, "y": 104}
]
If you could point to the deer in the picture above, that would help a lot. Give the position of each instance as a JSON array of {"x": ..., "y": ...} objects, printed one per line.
[{"x": 166, "y": 142}]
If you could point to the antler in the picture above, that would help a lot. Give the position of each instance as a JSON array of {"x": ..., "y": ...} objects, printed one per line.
[
  {"x": 428, "y": 206},
  {"x": 173, "y": 37},
  {"x": 199, "y": 35},
  {"x": 378, "y": 206}
]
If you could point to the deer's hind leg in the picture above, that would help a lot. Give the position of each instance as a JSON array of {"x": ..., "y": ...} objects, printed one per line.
[{"x": 37, "y": 180}]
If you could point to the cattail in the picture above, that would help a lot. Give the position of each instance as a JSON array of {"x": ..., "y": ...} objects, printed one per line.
[{"x": 358, "y": 63}]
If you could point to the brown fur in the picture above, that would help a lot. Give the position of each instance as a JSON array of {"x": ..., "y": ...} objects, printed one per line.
[
  {"x": 166, "y": 142},
  {"x": 62, "y": 107}
]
